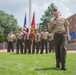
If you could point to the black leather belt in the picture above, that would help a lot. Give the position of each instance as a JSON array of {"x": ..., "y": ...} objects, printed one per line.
[{"x": 59, "y": 32}]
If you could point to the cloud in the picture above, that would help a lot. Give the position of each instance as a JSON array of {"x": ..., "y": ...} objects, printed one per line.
[
  {"x": 64, "y": 10},
  {"x": 66, "y": 1},
  {"x": 13, "y": 2},
  {"x": 13, "y": 5},
  {"x": 19, "y": 7},
  {"x": 39, "y": 9},
  {"x": 16, "y": 8}
]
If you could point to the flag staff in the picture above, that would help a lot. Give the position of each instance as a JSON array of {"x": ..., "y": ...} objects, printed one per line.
[{"x": 29, "y": 13}]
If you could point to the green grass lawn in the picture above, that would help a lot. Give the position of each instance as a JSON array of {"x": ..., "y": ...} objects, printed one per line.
[{"x": 34, "y": 64}]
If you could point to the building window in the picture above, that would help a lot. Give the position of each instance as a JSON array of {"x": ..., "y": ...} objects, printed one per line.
[
  {"x": 75, "y": 25},
  {"x": 70, "y": 27},
  {"x": 75, "y": 17},
  {"x": 70, "y": 19}
]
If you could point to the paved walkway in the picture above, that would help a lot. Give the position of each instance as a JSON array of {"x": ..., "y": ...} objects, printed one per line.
[{"x": 69, "y": 51}]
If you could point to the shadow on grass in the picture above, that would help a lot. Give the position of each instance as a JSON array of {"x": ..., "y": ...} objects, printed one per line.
[{"x": 52, "y": 68}]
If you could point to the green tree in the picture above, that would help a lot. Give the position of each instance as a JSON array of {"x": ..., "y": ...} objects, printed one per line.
[
  {"x": 1, "y": 38},
  {"x": 48, "y": 14},
  {"x": 7, "y": 23}
]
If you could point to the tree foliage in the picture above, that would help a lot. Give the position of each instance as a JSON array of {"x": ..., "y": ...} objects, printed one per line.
[
  {"x": 1, "y": 38},
  {"x": 48, "y": 14},
  {"x": 7, "y": 23}
]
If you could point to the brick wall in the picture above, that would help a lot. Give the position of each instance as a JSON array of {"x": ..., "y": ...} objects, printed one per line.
[{"x": 71, "y": 46}]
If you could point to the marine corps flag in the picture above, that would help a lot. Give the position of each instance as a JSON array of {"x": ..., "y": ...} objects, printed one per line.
[{"x": 32, "y": 29}]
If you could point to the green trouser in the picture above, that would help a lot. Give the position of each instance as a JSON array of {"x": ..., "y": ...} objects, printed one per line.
[
  {"x": 10, "y": 46},
  {"x": 44, "y": 43},
  {"x": 51, "y": 46},
  {"x": 19, "y": 46},
  {"x": 35, "y": 44},
  {"x": 60, "y": 42},
  {"x": 27, "y": 46}
]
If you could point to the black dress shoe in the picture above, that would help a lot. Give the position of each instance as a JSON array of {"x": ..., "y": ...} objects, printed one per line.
[{"x": 64, "y": 68}]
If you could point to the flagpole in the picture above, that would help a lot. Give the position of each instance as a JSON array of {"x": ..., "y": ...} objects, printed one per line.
[{"x": 29, "y": 12}]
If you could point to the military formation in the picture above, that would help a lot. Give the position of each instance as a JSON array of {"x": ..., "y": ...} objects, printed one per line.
[{"x": 42, "y": 42}]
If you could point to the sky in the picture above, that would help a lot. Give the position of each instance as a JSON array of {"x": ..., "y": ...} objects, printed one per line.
[{"x": 18, "y": 8}]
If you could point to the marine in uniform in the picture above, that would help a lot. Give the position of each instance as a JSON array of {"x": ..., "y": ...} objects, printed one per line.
[
  {"x": 27, "y": 42},
  {"x": 51, "y": 42},
  {"x": 36, "y": 42},
  {"x": 39, "y": 40},
  {"x": 44, "y": 41},
  {"x": 59, "y": 26},
  {"x": 11, "y": 37},
  {"x": 19, "y": 37}
]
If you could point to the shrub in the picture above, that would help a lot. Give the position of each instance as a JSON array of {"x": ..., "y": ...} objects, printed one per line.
[{"x": 1, "y": 38}]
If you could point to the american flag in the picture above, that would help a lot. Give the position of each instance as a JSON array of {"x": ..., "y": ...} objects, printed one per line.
[{"x": 24, "y": 28}]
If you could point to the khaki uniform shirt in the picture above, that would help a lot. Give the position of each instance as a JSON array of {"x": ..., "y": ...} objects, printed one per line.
[
  {"x": 39, "y": 37},
  {"x": 11, "y": 37},
  {"x": 19, "y": 35},
  {"x": 36, "y": 38},
  {"x": 44, "y": 35},
  {"x": 60, "y": 24}
]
